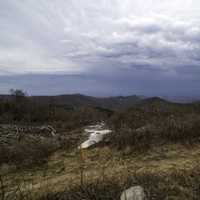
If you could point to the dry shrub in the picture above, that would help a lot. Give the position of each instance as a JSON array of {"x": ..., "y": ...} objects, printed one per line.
[
  {"x": 172, "y": 129},
  {"x": 27, "y": 153},
  {"x": 136, "y": 139},
  {"x": 184, "y": 129}
]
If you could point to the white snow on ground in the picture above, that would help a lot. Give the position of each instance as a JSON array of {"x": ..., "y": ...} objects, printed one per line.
[{"x": 96, "y": 135}]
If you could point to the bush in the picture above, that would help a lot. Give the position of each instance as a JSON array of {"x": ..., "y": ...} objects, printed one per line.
[
  {"x": 184, "y": 129},
  {"x": 137, "y": 139},
  {"x": 28, "y": 152},
  {"x": 171, "y": 129}
]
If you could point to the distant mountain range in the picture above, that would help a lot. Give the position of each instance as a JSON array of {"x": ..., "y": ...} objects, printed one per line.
[
  {"x": 83, "y": 100},
  {"x": 182, "y": 99},
  {"x": 106, "y": 102}
]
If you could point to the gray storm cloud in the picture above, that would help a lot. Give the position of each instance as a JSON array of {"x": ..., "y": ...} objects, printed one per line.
[{"x": 130, "y": 38}]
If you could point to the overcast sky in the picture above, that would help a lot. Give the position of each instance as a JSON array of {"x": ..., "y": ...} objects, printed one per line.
[{"x": 104, "y": 47}]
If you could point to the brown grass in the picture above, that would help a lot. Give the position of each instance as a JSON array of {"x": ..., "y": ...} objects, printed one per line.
[{"x": 166, "y": 170}]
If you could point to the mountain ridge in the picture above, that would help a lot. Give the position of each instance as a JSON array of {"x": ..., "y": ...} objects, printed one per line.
[{"x": 86, "y": 100}]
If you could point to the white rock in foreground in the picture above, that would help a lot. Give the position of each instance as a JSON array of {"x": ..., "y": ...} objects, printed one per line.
[
  {"x": 133, "y": 193},
  {"x": 97, "y": 134}
]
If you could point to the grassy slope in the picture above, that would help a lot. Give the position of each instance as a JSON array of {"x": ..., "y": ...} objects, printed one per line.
[
  {"x": 103, "y": 163},
  {"x": 170, "y": 171}
]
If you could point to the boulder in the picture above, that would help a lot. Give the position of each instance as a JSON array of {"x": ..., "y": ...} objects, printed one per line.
[{"x": 133, "y": 193}]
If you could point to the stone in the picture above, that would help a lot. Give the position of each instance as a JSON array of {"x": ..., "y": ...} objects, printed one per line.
[{"x": 133, "y": 193}]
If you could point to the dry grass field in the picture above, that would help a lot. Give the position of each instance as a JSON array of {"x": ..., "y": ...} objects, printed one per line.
[{"x": 169, "y": 171}]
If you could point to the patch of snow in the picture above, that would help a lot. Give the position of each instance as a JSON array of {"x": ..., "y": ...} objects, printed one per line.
[{"x": 97, "y": 133}]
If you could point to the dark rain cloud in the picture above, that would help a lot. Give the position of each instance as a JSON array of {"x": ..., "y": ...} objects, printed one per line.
[{"x": 135, "y": 42}]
